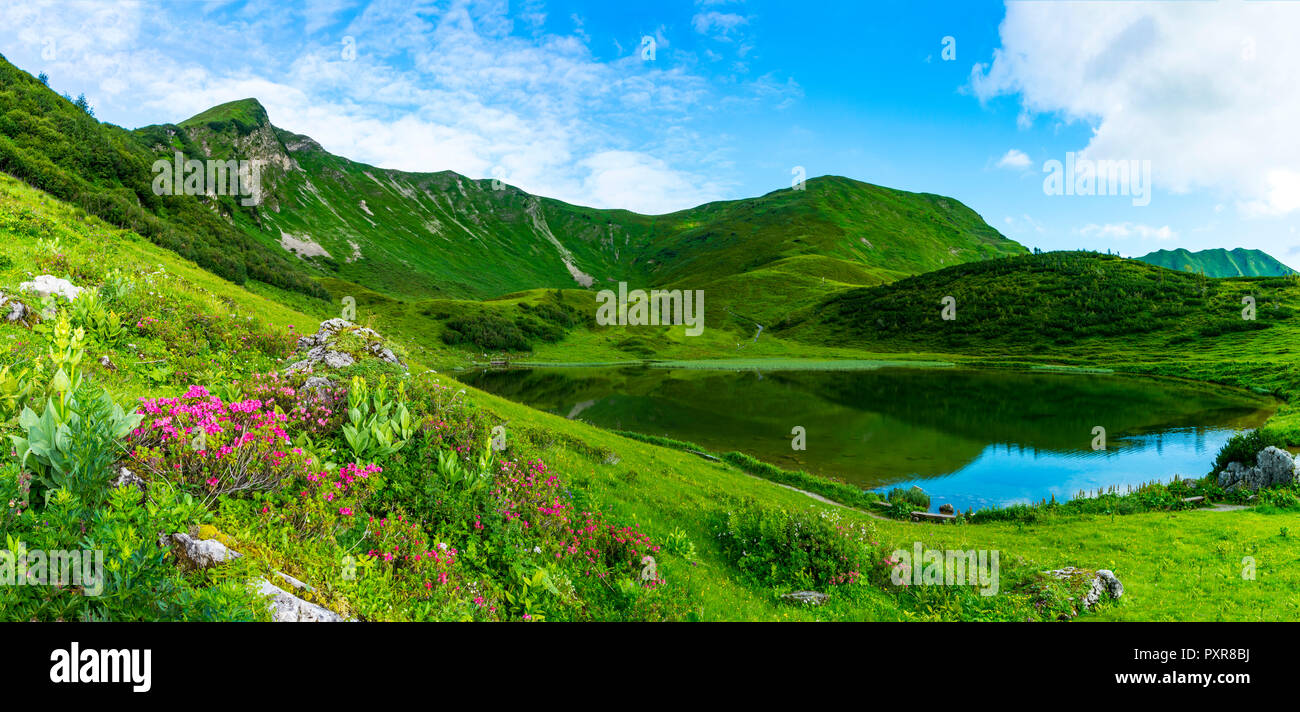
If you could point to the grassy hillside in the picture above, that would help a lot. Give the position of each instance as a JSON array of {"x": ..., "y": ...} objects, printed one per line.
[
  {"x": 185, "y": 326},
  {"x": 326, "y": 222},
  {"x": 441, "y": 234},
  {"x": 1219, "y": 262},
  {"x": 1065, "y": 301},
  {"x": 420, "y": 235},
  {"x": 53, "y": 144}
]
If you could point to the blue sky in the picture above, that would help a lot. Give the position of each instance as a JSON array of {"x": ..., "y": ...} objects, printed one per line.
[{"x": 557, "y": 98}]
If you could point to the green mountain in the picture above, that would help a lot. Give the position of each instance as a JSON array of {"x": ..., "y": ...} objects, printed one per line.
[
  {"x": 328, "y": 222},
  {"x": 1049, "y": 302},
  {"x": 1219, "y": 262},
  {"x": 51, "y": 143},
  {"x": 442, "y": 234}
]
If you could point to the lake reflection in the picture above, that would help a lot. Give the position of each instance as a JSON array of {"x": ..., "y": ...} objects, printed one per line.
[{"x": 968, "y": 437}]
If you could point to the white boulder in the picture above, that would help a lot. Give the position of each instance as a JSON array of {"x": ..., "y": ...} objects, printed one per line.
[{"x": 47, "y": 284}]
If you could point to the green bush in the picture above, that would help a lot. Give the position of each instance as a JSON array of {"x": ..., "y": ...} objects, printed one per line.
[
  {"x": 800, "y": 550},
  {"x": 486, "y": 331},
  {"x": 914, "y": 496},
  {"x": 1245, "y": 447},
  {"x": 121, "y": 573},
  {"x": 75, "y": 441}
]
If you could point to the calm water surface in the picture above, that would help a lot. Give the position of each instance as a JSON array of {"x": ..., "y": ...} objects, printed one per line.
[{"x": 968, "y": 437}]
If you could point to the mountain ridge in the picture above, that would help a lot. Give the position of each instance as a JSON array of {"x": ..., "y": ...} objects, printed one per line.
[
  {"x": 326, "y": 219},
  {"x": 335, "y": 205},
  {"x": 1219, "y": 262}
]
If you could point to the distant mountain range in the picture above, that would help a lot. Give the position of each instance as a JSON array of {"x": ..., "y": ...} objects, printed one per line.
[
  {"x": 327, "y": 222},
  {"x": 1220, "y": 262}
]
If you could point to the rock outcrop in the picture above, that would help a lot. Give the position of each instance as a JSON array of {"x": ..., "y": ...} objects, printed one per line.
[
  {"x": 809, "y": 598},
  {"x": 1095, "y": 584},
  {"x": 338, "y": 344},
  {"x": 13, "y": 311},
  {"x": 47, "y": 284},
  {"x": 1274, "y": 466},
  {"x": 288, "y": 608},
  {"x": 285, "y": 607},
  {"x": 200, "y": 553}
]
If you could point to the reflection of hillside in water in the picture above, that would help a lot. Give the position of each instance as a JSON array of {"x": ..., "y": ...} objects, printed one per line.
[
  {"x": 873, "y": 427},
  {"x": 1048, "y": 411}
]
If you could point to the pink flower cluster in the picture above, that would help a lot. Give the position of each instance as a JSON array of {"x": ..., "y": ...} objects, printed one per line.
[
  {"x": 533, "y": 497},
  {"x": 217, "y": 445},
  {"x": 341, "y": 487},
  {"x": 403, "y": 544}
]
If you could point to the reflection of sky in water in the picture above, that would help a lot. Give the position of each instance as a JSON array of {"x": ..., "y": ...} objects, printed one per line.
[{"x": 1008, "y": 474}]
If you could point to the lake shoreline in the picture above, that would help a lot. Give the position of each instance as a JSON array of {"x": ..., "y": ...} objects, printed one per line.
[{"x": 991, "y": 433}]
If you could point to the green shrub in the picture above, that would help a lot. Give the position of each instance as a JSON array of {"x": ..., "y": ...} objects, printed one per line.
[
  {"x": 75, "y": 441},
  {"x": 781, "y": 549},
  {"x": 487, "y": 331},
  {"x": 376, "y": 427},
  {"x": 1245, "y": 447},
  {"x": 123, "y": 575},
  {"x": 914, "y": 496},
  {"x": 1279, "y": 498}
]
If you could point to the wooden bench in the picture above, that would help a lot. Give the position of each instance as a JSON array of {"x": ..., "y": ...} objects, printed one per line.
[
  {"x": 1194, "y": 500},
  {"x": 499, "y": 363},
  {"x": 928, "y": 517}
]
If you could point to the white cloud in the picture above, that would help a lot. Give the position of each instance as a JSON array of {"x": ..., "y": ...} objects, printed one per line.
[
  {"x": 1206, "y": 91},
  {"x": 622, "y": 178},
  {"x": 718, "y": 24},
  {"x": 1014, "y": 158},
  {"x": 1128, "y": 229},
  {"x": 434, "y": 86}
]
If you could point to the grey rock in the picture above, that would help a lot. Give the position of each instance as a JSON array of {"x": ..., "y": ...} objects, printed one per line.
[
  {"x": 288, "y": 608},
  {"x": 1275, "y": 467},
  {"x": 811, "y": 598},
  {"x": 317, "y": 385},
  {"x": 1101, "y": 582},
  {"x": 294, "y": 582},
  {"x": 1230, "y": 474},
  {"x": 201, "y": 553},
  {"x": 946, "y": 509},
  {"x": 284, "y": 606},
  {"x": 16, "y": 312},
  {"x": 1112, "y": 583},
  {"x": 127, "y": 477},
  {"x": 338, "y": 359},
  {"x": 319, "y": 349}
]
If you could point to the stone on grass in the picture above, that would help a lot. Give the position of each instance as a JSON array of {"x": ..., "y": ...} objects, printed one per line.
[
  {"x": 1275, "y": 467},
  {"x": 288, "y": 608},
  {"x": 323, "y": 349},
  {"x": 47, "y": 284},
  {"x": 811, "y": 598},
  {"x": 16, "y": 312},
  {"x": 201, "y": 553},
  {"x": 1095, "y": 584}
]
